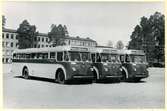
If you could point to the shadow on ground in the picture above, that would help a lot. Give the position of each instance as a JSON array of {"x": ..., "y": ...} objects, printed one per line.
[{"x": 71, "y": 82}]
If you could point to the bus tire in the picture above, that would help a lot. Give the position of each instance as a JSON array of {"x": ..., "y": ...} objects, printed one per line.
[
  {"x": 25, "y": 73},
  {"x": 60, "y": 77}
]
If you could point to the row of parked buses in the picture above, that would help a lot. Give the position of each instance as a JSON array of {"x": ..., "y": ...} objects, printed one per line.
[{"x": 64, "y": 63}]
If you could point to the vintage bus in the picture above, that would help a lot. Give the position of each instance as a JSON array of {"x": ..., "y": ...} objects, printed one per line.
[
  {"x": 134, "y": 65},
  {"x": 61, "y": 63},
  {"x": 106, "y": 63}
]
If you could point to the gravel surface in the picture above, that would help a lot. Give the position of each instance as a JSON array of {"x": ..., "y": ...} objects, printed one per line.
[{"x": 44, "y": 93}]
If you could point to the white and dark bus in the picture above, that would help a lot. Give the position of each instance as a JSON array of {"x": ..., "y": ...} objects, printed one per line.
[
  {"x": 61, "y": 63},
  {"x": 134, "y": 64},
  {"x": 106, "y": 63}
]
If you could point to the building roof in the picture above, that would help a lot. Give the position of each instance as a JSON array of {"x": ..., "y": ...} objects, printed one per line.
[
  {"x": 78, "y": 38},
  {"x": 9, "y": 30},
  {"x": 42, "y": 34},
  {"x": 45, "y": 34}
]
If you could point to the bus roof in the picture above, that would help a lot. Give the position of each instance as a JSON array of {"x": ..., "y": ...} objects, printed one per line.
[
  {"x": 53, "y": 49},
  {"x": 132, "y": 52},
  {"x": 104, "y": 50}
]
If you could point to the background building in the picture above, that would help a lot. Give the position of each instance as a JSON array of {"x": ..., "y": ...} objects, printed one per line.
[{"x": 10, "y": 42}]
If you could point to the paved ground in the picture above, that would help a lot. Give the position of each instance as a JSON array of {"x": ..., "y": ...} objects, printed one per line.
[{"x": 43, "y": 93}]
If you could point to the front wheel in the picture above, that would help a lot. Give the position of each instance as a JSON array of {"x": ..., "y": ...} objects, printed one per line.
[
  {"x": 61, "y": 77},
  {"x": 25, "y": 73}
]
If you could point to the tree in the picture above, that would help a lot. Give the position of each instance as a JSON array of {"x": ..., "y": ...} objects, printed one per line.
[
  {"x": 119, "y": 45},
  {"x": 3, "y": 21},
  {"x": 26, "y": 35},
  {"x": 57, "y": 33},
  {"x": 149, "y": 36},
  {"x": 110, "y": 43}
]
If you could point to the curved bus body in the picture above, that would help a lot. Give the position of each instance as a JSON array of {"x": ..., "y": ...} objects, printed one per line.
[
  {"x": 134, "y": 64},
  {"x": 106, "y": 63},
  {"x": 61, "y": 63}
]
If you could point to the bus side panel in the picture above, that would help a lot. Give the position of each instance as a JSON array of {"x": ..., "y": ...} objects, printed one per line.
[
  {"x": 17, "y": 69},
  {"x": 43, "y": 70}
]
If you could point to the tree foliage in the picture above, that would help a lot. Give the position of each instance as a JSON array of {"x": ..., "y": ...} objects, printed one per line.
[
  {"x": 57, "y": 33},
  {"x": 119, "y": 45},
  {"x": 26, "y": 35},
  {"x": 149, "y": 36}
]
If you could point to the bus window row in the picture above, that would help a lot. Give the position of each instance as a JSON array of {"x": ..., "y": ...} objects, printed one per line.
[{"x": 59, "y": 56}]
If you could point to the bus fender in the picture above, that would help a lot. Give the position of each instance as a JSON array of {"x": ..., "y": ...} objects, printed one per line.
[
  {"x": 62, "y": 68},
  {"x": 126, "y": 72},
  {"x": 97, "y": 72}
]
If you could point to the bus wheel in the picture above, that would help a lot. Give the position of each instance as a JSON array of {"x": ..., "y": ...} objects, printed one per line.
[
  {"x": 60, "y": 77},
  {"x": 25, "y": 73},
  {"x": 137, "y": 79}
]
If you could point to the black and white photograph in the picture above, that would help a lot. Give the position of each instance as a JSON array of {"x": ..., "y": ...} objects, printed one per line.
[{"x": 83, "y": 54}]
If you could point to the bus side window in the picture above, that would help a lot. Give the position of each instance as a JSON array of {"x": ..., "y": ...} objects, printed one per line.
[
  {"x": 127, "y": 59},
  {"x": 98, "y": 59},
  {"x": 59, "y": 56},
  {"x": 52, "y": 55},
  {"x": 122, "y": 58},
  {"x": 14, "y": 56},
  {"x": 93, "y": 57},
  {"x": 66, "y": 58},
  {"x": 44, "y": 55}
]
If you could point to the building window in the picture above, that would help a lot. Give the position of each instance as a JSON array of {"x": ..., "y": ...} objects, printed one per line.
[
  {"x": 38, "y": 38},
  {"x": 2, "y": 35},
  {"x": 11, "y": 44},
  {"x": 46, "y": 45},
  {"x": 46, "y": 39},
  {"x": 7, "y": 44},
  {"x": 35, "y": 39},
  {"x": 7, "y": 35},
  {"x": 42, "y": 39},
  {"x": 35, "y": 45},
  {"x": 12, "y": 36},
  {"x": 39, "y": 46},
  {"x": 42, "y": 45},
  {"x": 16, "y": 36},
  {"x": 3, "y": 45},
  {"x": 17, "y": 44}
]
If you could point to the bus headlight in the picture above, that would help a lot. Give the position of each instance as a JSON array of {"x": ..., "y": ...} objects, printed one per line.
[
  {"x": 106, "y": 69},
  {"x": 134, "y": 69},
  {"x": 120, "y": 69},
  {"x": 73, "y": 68}
]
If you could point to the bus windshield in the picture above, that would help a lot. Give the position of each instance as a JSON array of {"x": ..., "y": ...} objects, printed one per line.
[
  {"x": 85, "y": 56},
  {"x": 138, "y": 58},
  {"x": 109, "y": 58},
  {"x": 74, "y": 56}
]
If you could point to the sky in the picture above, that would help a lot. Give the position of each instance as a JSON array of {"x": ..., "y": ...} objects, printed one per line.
[{"x": 100, "y": 21}]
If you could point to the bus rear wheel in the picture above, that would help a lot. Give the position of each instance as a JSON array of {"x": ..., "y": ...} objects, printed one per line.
[
  {"x": 25, "y": 73},
  {"x": 60, "y": 77}
]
